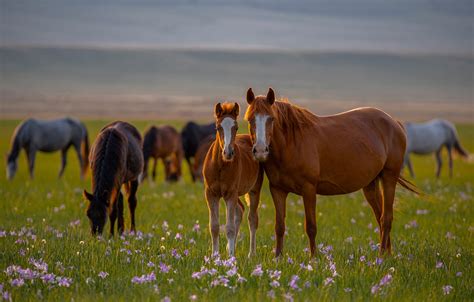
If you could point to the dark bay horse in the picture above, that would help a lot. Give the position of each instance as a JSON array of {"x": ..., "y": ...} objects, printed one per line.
[
  {"x": 307, "y": 155},
  {"x": 116, "y": 160},
  {"x": 230, "y": 172},
  {"x": 48, "y": 136},
  {"x": 191, "y": 135},
  {"x": 200, "y": 156},
  {"x": 431, "y": 137},
  {"x": 164, "y": 143}
]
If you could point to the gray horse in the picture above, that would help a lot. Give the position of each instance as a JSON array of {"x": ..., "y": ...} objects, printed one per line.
[
  {"x": 429, "y": 137},
  {"x": 48, "y": 136}
]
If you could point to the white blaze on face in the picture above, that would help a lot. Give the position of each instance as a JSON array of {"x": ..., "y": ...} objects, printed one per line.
[
  {"x": 260, "y": 125},
  {"x": 227, "y": 124}
]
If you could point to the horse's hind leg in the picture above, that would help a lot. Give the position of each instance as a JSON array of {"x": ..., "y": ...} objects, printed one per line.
[
  {"x": 389, "y": 182},
  {"x": 190, "y": 165},
  {"x": 153, "y": 174},
  {"x": 373, "y": 195},
  {"x": 439, "y": 162},
  {"x": 63, "y": 161},
  {"x": 132, "y": 202},
  {"x": 230, "y": 228},
  {"x": 279, "y": 201},
  {"x": 239, "y": 213},
  {"x": 77, "y": 147},
  {"x": 309, "y": 200},
  {"x": 409, "y": 166},
  {"x": 450, "y": 158},
  {"x": 213, "y": 205}
]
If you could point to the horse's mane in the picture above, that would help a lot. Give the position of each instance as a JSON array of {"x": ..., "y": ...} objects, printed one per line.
[
  {"x": 109, "y": 155},
  {"x": 227, "y": 108},
  {"x": 149, "y": 141},
  {"x": 291, "y": 119},
  {"x": 15, "y": 142}
]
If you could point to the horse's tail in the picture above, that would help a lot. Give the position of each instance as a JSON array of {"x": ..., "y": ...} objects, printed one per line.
[
  {"x": 108, "y": 158},
  {"x": 149, "y": 141},
  {"x": 459, "y": 149},
  {"x": 85, "y": 149},
  {"x": 408, "y": 185}
]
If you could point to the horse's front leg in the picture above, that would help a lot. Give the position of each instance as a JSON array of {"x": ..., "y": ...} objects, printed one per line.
[
  {"x": 309, "y": 200},
  {"x": 213, "y": 205},
  {"x": 77, "y": 148},
  {"x": 132, "y": 202},
  {"x": 439, "y": 162},
  {"x": 279, "y": 201},
  {"x": 254, "y": 198},
  {"x": 31, "y": 156},
  {"x": 113, "y": 216}
]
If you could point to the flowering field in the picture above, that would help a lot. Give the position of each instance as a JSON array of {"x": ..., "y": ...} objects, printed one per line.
[{"x": 47, "y": 252}]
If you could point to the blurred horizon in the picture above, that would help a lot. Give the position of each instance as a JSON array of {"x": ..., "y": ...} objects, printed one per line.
[{"x": 413, "y": 59}]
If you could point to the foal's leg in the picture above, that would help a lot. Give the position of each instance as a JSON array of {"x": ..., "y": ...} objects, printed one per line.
[
  {"x": 132, "y": 202},
  {"x": 279, "y": 201},
  {"x": 309, "y": 200},
  {"x": 389, "y": 182},
  {"x": 439, "y": 162},
  {"x": 239, "y": 212},
  {"x": 230, "y": 227},
  {"x": 63, "y": 161},
  {"x": 190, "y": 166},
  {"x": 450, "y": 158},
  {"x": 213, "y": 205},
  {"x": 373, "y": 195}
]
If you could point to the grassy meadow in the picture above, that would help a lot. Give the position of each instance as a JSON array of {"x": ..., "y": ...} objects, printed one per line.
[{"x": 47, "y": 252}]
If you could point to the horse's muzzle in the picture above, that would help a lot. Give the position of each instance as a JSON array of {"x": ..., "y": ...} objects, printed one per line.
[
  {"x": 260, "y": 153},
  {"x": 228, "y": 154}
]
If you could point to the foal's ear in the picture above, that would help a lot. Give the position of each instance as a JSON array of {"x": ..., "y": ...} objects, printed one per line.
[
  {"x": 250, "y": 96},
  {"x": 218, "y": 110},
  {"x": 271, "y": 96},
  {"x": 236, "y": 110},
  {"x": 87, "y": 195}
]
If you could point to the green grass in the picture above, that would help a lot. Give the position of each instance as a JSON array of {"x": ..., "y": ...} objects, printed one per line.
[{"x": 46, "y": 206}]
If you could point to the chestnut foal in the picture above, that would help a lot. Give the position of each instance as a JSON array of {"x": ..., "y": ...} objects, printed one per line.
[{"x": 229, "y": 172}]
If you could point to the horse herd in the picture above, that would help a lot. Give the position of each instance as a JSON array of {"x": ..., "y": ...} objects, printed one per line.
[{"x": 299, "y": 152}]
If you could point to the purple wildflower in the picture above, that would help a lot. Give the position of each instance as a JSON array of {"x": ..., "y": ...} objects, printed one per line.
[
  {"x": 447, "y": 289},
  {"x": 293, "y": 282},
  {"x": 164, "y": 268},
  {"x": 275, "y": 284},
  {"x": 439, "y": 264},
  {"x": 258, "y": 271},
  {"x": 17, "y": 282},
  {"x": 196, "y": 227},
  {"x": 178, "y": 236},
  {"x": 328, "y": 281},
  {"x": 103, "y": 275},
  {"x": 64, "y": 281},
  {"x": 48, "y": 278},
  {"x": 383, "y": 282}
]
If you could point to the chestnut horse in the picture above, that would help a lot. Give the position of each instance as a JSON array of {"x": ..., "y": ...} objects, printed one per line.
[
  {"x": 116, "y": 159},
  {"x": 229, "y": 172},
  {"x": 307, "y": 155},
  {"x": 200, "y": 156},
  {"x": 163, "y": 142}
]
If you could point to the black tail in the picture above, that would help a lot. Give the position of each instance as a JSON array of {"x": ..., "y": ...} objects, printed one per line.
[
  {"x": 85, "y": 150},
  {"x": 108, "y": 159},
  {"x": 409, "y": 185},
  {"x": 459, "y": 149},
  {"x": 149, "y": 142}
]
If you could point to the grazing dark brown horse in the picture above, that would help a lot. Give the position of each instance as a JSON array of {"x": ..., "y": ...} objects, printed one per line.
[
  {"x": 116, "y": 159},
  {"x": 163, "y": 142},
  {"x": 307, "y": 155},
  {"x": 200, "y": 156},
  {"x": 230, "y": 172}
]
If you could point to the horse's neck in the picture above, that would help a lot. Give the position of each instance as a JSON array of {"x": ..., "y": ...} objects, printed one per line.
[{"x": 17, "y": 143}]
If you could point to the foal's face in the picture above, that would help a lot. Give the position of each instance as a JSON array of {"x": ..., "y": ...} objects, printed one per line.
[
  {"x": 227, "y": 126},
  {"x": 97, "y": 214},
  {"x": 260, "y": 117}
]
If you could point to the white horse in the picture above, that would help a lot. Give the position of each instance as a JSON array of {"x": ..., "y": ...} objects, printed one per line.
[
  {"x": 48, "y": 136},
  {"x": 429, "y": 137}
]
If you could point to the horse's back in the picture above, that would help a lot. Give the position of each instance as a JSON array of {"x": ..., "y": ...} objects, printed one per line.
[
  {"x": 134, "y": 151},
  {"x": 424, "y": 138}
]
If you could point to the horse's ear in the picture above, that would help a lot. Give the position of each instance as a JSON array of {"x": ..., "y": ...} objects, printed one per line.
[
  {"x": 218, "y": 110},
  {"x": 236, "y": 110},
  {"x": 271, "y": 96},
  {"x": 87, "y": 195},
  {"x": 250, "y": 96}
]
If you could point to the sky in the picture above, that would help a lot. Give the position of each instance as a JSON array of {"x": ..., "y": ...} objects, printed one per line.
[{"x": 396, "y": 26}]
